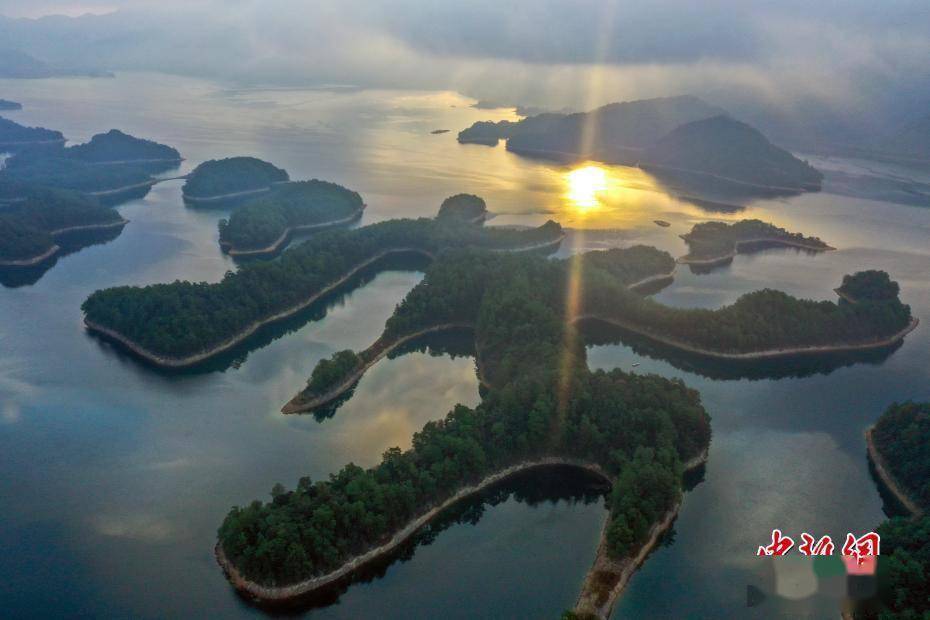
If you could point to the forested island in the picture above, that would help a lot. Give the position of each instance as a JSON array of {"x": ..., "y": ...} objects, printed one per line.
[
  {"x": 7, "y": 105},
  {"x": 867, "y": 286},
  {"x": 762, "y": 324},
  {"x": 112, "y": 165},
  {"x": 116, "y": 147},
  {"x": 218, "y": 180},
  {"x": 29, "y": 225},
  {"x": 52, "y": 170},
  {"x": 15, "y": 137},
  {"x": 714, "y": 243},
  {"x": 535, "y": 410},
  {"x": 615, "y": 132},
  {"x": 543, "y": 407},
  {"x": 265, "y": 224},
  {"x": 667, "y": 136},
  {"x": 184, "y": 323},
  {"x": 899, "y": 447},
  {"x": 464, "y": 207},
  {"x": 729, "y": 150}
]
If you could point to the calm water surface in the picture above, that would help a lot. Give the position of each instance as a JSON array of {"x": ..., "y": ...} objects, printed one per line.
[{"x": 116, "y": 476}]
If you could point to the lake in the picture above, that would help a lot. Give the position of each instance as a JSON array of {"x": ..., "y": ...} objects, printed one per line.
[{"x": 116, "y": 475}]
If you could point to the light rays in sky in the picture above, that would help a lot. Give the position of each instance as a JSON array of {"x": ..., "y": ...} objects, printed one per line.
[{"x": 585, "y": 184}]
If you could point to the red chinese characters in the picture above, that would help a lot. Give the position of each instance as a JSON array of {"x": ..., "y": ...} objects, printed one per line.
[
  {"x": 858, "y": 548},
  {"x": 780, "y": 544},
  {"x": 824, "y": 546}
]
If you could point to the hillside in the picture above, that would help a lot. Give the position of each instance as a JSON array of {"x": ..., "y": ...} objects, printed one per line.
[
  {"x": 608, "y": 133},
  {"x": 727, "y": 148},
  {"x": 116, "y": 146}
]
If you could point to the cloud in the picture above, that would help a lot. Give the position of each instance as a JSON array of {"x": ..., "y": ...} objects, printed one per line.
[{"x": 848, "y": 69}]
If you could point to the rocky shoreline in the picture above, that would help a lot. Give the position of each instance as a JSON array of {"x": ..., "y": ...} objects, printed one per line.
[
  {"x": 286, "y": 235},
  {"x": 52, "y": 251},
  {"x": 756, "y": 355},
  {"x": 300, "y": 405},
  {"x": 282, "y": 594},
  {"x": 190, "y": 360},
  {"x": 885, "y": 475},
  {"x": 719, "y": 260},
  {"x": 608, "y": 577}
]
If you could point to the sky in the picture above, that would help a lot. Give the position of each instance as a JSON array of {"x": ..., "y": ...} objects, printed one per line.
[{"x": 852, "y": 65}]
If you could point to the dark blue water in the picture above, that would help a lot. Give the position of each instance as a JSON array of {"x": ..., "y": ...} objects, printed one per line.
[{"x": 115, "y": 476}]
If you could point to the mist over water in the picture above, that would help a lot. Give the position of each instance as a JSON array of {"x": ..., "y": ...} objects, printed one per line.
[{"x": 116, "y": 477}]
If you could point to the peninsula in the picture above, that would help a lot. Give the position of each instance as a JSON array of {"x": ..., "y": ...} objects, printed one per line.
[
  {"x": 184, "y": 323},
  {"x": 763, "y": 324},
  {"x": 113, "y": 165},
  {"x": 6, "y": 105},
  {"x": 899, "y": 449},
  {"x": 543, "y": 407},
  {"x": 29, "y": 226},
  {"x": 463, "y": 207},
  {"x": 53, "y": 170},
  {"x": 15, "y": 137},
  {"x": 222, "y": 180},
  {"x": 116, "y": 147},
  {"x": 669, "y": 137},
  {"x": 717, "y": 243},
  {"x": 264, "y": 225}
]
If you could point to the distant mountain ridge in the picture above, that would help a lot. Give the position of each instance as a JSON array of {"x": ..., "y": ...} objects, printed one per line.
[
  {"x": 16, "y": 64},
  {"x": 729, "y": 149},
  {"x": 675, "y": 134}
]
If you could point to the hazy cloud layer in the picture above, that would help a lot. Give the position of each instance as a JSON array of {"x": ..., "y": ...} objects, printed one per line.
[{"x": 850, "y": 67}]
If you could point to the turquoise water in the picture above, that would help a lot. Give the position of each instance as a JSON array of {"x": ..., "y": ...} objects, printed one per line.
[{"x": 116, "y": 476}]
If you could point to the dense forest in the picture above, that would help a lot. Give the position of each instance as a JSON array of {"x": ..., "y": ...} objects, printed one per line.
[
  {"x": 610, "y": 133},
  {"x": 464, "y": 207},
  {"x": 329, "y": 373},
  {"x": 630, "y": 265},
  {"x": 541, "y": 401},
  {"x": 13, "y": 135},
  {"x": 53, "y": 171},
  {"x": 116, "y": 146},
  {"x": 902, "y": 437},
  {"x": 184, "y": 318},
  {"x": 261, "y": 222},
  {"x": 868, "y": 286},
  {"x": 710, "y": 240},
  {"x": 218, "y": 177},
  {"x": 672, "y": 133},
  {"x": 757, "y": 321},
  {"x": 544, "y": 402},
  {"x": 904, "y": 587},
  {"x": 26, "y": 226},
  {"x": 728, "y": 148}
]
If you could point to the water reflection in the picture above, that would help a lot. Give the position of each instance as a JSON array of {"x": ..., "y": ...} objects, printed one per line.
[
  {"x": 597, "y": 333},
  {"x": 236, "y": 356},
  {"x": 13, "y": 277},
  {"x": 456, "y": 343},
  {"x": 549, "y": 485}
]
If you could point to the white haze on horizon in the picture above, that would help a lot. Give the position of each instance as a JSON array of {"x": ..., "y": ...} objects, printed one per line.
[{"x": 855, "y": 66}]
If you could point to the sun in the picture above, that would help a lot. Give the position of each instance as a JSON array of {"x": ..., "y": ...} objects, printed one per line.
[{"x": 584, "y": 186}]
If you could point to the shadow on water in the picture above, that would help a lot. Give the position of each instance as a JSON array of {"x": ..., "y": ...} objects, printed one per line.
[
  {"x": 756, "y": 247},
  {"x": 13, "y": 277},
  {"x": 135, "y": 193},
  {"x": 458, "y": 342},
  {"x": 797, "y": 366},
  {"x": 236, "y": 356},
  {"x": 534, "y": 487}
]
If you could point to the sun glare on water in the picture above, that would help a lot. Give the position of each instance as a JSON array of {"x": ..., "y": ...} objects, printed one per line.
[{"x": 585, "y": 185}]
